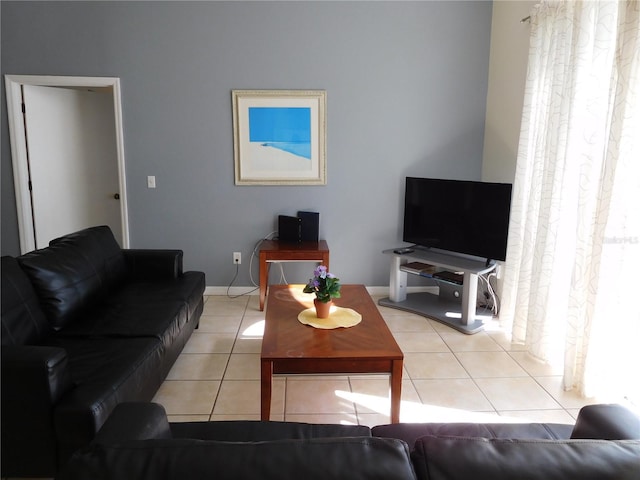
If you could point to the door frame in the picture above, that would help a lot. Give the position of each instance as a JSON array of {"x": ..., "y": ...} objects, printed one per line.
[{"x": 17, "y": 136}]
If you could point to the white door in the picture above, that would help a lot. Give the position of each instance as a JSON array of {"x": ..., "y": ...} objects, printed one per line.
[{"x": 72, "y": 156}]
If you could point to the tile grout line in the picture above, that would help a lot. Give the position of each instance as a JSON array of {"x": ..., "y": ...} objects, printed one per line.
[{"x": 224, "y": 372}]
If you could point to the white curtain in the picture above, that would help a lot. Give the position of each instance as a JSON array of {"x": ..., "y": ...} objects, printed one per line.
[{"x": 571, "y": 291}]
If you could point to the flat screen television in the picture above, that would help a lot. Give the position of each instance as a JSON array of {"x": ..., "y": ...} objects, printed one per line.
[{"x": 458, "y": 216}]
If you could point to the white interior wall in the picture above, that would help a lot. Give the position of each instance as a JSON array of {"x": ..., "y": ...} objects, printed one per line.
[{"x": 507, "y": 74}]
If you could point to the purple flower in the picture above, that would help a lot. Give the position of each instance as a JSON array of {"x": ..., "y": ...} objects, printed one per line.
[
  {"x": 324, "y": 284},
  {"x": 320, "y": 271}
]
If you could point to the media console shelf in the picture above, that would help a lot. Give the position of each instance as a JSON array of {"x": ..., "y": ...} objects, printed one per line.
[{"x": 445, "y": 308}]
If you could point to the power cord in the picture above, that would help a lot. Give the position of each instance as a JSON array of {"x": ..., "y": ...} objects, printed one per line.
[
  {"x": 490, "y": 294},
  {"x": 231, "y": 283},
  {"x": 254, "y": 254},
  {"x": 253, "y": 282}
]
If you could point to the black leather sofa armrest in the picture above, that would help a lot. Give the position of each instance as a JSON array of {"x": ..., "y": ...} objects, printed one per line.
[
  {"x": 149, "y": 265},
  {"x": 134, "y": 421},
  {"x": 34, "y": 374},
  {"x": 33, "y": 380},
  {"x": 607, "y": 422}
]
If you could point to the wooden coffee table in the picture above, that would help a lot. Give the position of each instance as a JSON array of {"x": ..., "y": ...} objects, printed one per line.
[{"x": 289, "y": 347}]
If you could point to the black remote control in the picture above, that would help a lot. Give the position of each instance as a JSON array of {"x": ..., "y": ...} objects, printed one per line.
[{"x": 402, "y": 251}]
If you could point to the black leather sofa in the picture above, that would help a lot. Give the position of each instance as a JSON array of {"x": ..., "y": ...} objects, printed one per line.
[
  {"x": 138, "y": 442},
  {"x": 85, "y": 325}
]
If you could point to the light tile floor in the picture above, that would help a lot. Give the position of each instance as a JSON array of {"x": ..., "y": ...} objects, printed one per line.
[{"x": 448, "y": 376}]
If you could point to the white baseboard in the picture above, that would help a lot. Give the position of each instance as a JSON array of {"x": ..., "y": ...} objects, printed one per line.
[
  {"x": 233, "y": 291},
  {"x": 377, "y": 291}
]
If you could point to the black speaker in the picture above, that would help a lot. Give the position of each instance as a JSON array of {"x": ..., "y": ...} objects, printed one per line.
[
  {"x": 289, "y": 229},
  {"x": 309, "y": 226}
]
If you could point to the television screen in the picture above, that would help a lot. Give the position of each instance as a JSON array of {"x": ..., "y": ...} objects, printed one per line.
[{"x": 459, "y": 216}]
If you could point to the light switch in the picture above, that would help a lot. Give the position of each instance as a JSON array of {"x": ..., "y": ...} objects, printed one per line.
[{"x": 151, "y": 181}]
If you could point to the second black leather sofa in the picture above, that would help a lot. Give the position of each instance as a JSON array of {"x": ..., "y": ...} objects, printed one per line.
[{"x": 138, "y": 442}]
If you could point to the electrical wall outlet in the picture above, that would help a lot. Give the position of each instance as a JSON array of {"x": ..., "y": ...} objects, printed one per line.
[{"x": 237, "y": 258}]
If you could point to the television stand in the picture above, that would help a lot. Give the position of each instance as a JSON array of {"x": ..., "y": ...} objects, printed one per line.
[{"x": 449, "y": 307}]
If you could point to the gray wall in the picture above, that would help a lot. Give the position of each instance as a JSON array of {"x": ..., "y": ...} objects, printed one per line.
[{"x": 406, "y": 90}]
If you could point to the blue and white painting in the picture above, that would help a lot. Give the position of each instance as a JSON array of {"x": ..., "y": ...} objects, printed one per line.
[
  {"x": 284, "y": 128},
  {"x": 280, "y": 137}
]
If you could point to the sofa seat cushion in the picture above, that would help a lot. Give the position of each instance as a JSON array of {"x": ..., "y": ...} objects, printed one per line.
[
  {"x": 349, "y": 458},
  {"x": 188, "y": 288},
  {"x": 141, "y": 309},
  {"x": 463, "y": 458},
  {"x": 162, "y": 319},
  {"x": 410, "y": 432},
  {"x": 23, "y": 321},
  {"x": 103, "y": 360},
  {"x": 105, "y": 372},
  {"x": 74, "y": 272}
]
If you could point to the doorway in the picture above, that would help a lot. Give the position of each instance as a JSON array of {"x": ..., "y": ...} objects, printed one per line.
[{"x": 67, "y": 155}]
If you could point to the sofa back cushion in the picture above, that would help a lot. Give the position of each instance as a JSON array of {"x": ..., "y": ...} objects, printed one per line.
[
  {"x": 256, "y": 430},
  {"x": 23, "y": 322},
  {"x": 461, "y": 458},
  {"x": 74, "y": 271},
  {"x": 410, "y": 432},
  {"x": 348, "y": 458}
]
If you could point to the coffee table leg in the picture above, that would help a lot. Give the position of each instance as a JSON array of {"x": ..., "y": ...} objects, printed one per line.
[
  {"x": 396, "y": 390},
  {"x": 264, "y": 278},
  {"x": 266, "y": 375}
]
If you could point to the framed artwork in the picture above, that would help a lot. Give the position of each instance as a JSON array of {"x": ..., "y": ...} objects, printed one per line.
[{"x": 279, "y": 137}]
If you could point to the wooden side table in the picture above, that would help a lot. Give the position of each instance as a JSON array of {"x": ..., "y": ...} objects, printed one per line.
[{"x": 276, "y": 251}]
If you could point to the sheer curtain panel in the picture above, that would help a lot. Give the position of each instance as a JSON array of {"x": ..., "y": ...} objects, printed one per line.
[{"x": 570, "y": 289}]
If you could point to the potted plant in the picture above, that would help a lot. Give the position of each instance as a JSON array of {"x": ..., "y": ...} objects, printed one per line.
[{"x": 326, "y": 287}]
